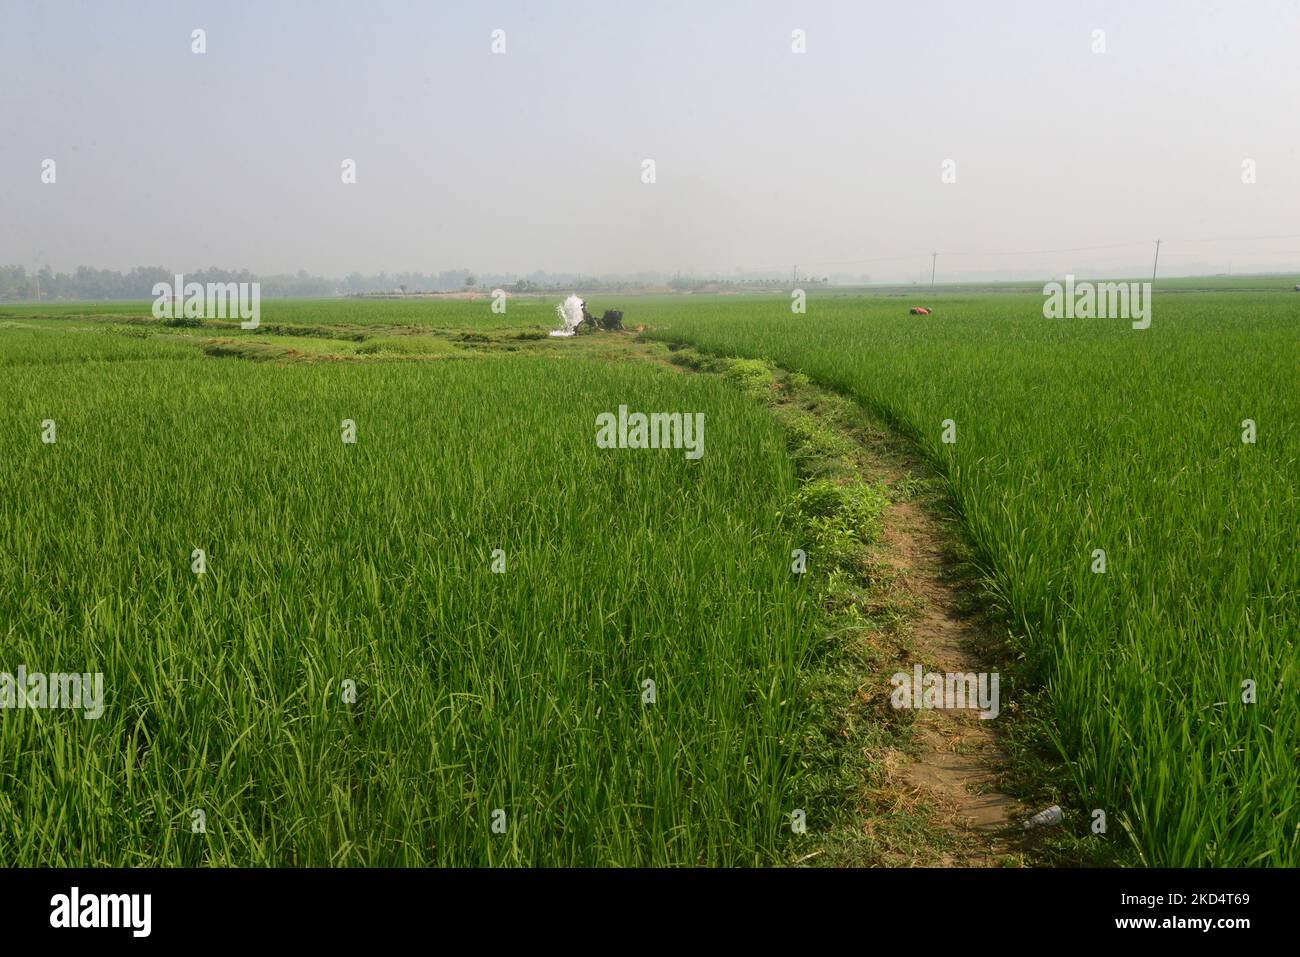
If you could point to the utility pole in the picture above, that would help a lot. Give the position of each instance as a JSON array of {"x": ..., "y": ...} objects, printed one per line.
[
  {"x": 794, "y": 275},
  {"x": 933, "y": 258},
  {"x": 1156, "y": 263}
]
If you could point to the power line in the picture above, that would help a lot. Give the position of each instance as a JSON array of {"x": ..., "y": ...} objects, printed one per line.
[
  {"x": 1233, "y": 239},
  {"x": 1026, "y": 252},
  {"x": 1067, "y": 249}
]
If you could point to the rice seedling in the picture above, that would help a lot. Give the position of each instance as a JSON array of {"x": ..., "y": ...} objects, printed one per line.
[{"x": 470, "y": 637}]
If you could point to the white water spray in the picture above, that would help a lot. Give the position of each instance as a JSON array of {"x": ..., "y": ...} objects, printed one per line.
[{"x": 569, "y": 313}]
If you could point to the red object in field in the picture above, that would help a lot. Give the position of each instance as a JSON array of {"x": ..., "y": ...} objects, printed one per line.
[{"x": 920, "y": 311}]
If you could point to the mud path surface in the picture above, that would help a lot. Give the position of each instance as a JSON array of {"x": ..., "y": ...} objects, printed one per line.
[{"x": 958, "y": 761}]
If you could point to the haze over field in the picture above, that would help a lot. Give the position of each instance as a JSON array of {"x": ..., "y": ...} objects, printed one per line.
[
  {"x": 526, "y": 435},
  {"x": 764, "y": 157}
]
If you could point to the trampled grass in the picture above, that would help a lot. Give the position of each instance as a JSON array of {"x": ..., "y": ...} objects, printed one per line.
[
  {"x": 1078, "y": 435},
  {"x": 371, "y": 563}
]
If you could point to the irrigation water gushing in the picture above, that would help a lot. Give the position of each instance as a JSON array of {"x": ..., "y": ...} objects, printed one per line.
[{"x": 570, "y": 315}]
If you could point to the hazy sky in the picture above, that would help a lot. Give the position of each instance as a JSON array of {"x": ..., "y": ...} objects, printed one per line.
[{"x": 532, "y": 159}]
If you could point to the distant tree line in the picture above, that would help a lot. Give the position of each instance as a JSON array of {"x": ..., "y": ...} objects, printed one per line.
[
  {"x": 699, "y": 284},
  {"x": 86, "y": 283}
]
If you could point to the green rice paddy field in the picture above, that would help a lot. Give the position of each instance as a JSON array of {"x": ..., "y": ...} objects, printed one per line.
[{"x": 1167, "y": 686}]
